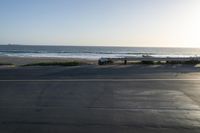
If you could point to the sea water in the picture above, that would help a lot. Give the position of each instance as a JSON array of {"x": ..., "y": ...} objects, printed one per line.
[{"x": 88, "y": 52}]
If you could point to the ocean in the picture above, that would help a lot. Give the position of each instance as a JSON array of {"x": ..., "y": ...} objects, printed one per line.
[{"x": 88, "y": 52}]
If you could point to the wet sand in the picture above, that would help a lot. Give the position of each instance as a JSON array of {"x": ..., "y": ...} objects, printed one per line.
[{"x": 29, "y": 60}]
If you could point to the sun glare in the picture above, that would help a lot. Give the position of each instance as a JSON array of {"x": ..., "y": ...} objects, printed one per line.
[{"x": 191, "y": 26}]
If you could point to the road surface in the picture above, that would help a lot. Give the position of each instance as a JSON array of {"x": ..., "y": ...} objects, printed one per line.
[{"x": 147, "y": 102}]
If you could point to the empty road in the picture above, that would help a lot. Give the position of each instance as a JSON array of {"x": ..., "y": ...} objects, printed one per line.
[{"x": 59, "y": 100}]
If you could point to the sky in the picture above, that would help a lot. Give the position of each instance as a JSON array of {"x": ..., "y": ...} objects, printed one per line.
[{"x": 152, "y": 23}]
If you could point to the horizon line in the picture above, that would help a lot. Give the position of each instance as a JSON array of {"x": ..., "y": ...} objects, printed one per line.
[{"x": 82, "y": 45}]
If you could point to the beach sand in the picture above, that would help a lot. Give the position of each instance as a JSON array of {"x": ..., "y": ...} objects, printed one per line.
[{"x": 17, "y": 61}]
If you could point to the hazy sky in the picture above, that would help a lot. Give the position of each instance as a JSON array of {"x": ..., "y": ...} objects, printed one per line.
[{"x": 101, "y": 22}]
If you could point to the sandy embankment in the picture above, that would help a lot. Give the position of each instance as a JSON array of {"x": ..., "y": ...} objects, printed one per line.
[{"x": 29, "y": 60}]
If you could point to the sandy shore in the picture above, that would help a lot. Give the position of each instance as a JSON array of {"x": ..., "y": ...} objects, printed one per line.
[{"x": 29, "y": 60}]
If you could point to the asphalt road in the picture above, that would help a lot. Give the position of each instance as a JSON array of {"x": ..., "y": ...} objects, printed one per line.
[{"x": 147, "y": 102}]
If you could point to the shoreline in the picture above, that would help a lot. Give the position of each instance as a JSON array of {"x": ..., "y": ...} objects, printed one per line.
[{"x": 18, "y": 61}]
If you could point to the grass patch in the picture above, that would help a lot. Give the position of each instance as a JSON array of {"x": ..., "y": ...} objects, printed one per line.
[
  {"x": 148, "y": 62},
  {"x": 2, "y": 64},
  {"x": 73, "y": 63},
  {"x": 191, "y": 62}
]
